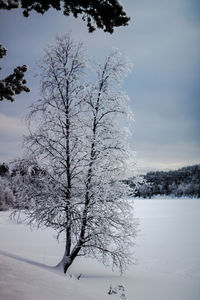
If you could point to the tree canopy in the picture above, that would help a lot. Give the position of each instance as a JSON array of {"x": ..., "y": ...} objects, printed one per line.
[{"x": 104, "y": 14}]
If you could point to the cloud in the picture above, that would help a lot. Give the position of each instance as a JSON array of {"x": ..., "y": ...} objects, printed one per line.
[
  {"x": 151, "y": 156},
  {"x": 11, "y": 132},
  {"x": 11, "y": 127}
]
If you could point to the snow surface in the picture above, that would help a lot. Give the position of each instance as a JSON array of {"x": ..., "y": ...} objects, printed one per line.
[{"x": 167, "y": 250}]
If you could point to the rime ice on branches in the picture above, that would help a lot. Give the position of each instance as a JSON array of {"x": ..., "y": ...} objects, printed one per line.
[{"x": 76, "y": 156}]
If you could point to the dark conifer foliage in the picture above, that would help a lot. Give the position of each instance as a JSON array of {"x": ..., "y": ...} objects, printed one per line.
[
  {"x": 14, "y": 83},
  {"x": 104, "y": 14}
]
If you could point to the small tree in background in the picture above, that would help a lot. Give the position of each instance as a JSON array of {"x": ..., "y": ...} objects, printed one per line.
[
  {"x": 4, "y": 169},
  {"x": 78, "y": 151},
  {"x": 6, "y": 194}
]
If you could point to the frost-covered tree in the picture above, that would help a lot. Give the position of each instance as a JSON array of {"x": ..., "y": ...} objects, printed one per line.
[
  {"x": 14, "y": 83},
  {"x": 104, "y": 14},
  {"x": 107, "y": 228},
  {"x": 76, "y": 157}
]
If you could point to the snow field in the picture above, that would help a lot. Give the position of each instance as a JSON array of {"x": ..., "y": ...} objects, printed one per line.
[{"x": 167, "y": 250}]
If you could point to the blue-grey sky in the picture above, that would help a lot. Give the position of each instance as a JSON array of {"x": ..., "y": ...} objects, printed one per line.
[{"x": 162, "y": 40}]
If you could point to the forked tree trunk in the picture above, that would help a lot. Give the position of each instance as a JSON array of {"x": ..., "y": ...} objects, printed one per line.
[
  {"x": 65, "y": 263},
  {"x": 67, "y": 260}
]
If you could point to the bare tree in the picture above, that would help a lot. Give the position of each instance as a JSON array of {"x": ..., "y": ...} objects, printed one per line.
[{"x": 80, "y": 155}]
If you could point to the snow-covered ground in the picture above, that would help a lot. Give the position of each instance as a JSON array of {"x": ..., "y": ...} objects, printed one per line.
[{"x": 167, "y": 251}]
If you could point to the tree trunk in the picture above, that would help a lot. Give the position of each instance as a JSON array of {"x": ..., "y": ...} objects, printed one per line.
[
  {"x": 65, "y": 263},
  {"x": 67, "y": 260},
  {"x": 66, "y": 266}
]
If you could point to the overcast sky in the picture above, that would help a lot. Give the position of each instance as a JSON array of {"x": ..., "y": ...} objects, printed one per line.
[{"x": 162, "y": 40}]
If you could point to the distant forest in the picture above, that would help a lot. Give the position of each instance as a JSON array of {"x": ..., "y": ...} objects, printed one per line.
[{"x": 178, "y": 183}]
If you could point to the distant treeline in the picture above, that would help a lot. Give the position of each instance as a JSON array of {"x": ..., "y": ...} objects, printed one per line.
[{"x": 178, "y": 183}]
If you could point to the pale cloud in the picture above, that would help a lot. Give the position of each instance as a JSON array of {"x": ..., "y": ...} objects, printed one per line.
[
  {"x": 11, "y": 131},
  {"x": 151, "y": 156},
  {"x": 11, "y": 126}
]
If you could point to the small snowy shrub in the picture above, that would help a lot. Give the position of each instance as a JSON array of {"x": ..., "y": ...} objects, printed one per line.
[{"x": 118, "y": 290}]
